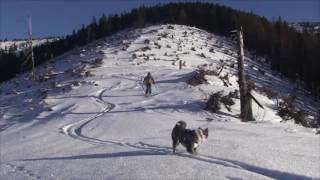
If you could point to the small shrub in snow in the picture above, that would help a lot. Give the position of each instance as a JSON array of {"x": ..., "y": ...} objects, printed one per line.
[
  {"x": 198, "y": 78},
  {"x": 145, "y": 48},
  {"x": 213, "y": 103},
  {"x": 163, "y": 35},
  {"x": 75, "y": 83},
  {"x": 75, "y": 71},
  {"x": 227, "y": 101},
  {"x": 125, "y": 46},
  {"x": 211, "y": 50},
  {"x": 98, "y": 61},
  {"x": 54, "y": 84},
  {"x": 134, "y": 56},
  {"x": 287, "y": 111},
  {"x": 12, "y": 92},
  {"x": 270, "y": 93},
  {"x": 234, "y": 94},
  {"x": 318, "y": 119},
  {"x": 42, "y": 77},
  {"x": 261, "y": 71},
  {"x": 300, "y": 118},
  {"x": 225, "y": 80},
  {"x": 185, "y": 33},
  {"x": 157, "y": 45},
  {"x": 184, "y": 63},
  {"x": 88, "y": 73},
  {"x": 193, "y": 49},
  {"x": 170, "y": 27},
  {"x": 202, "y": 55},
  {"x": 146, "y": 41},
  {"x": 168, "y": 46}
]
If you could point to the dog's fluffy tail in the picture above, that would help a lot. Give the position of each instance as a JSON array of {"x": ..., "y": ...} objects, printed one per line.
[
  {"x": 178, "y": 129},
  {"x": 181, "y": 124}
]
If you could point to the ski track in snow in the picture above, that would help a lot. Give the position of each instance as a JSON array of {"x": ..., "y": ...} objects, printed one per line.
[{"x": 74, "y": 130}]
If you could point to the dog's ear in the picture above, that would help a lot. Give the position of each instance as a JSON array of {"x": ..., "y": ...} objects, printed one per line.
[{"x": 206, "y": 132}]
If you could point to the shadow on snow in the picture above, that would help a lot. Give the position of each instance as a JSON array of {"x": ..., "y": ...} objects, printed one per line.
[{"x": 153, "y": 150}]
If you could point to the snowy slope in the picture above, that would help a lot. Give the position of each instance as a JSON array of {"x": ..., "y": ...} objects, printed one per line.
[
  {"x": 101, "y": 126},
  {"x": 23, "y": 44}
]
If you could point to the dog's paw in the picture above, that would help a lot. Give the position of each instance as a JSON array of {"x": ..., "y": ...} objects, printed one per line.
[{"x": 194, "y": 151}]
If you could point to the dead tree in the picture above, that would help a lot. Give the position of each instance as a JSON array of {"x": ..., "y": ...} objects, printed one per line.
[
  {"x": 245, "y": 98},
  {"x": 33, "y": 73}
]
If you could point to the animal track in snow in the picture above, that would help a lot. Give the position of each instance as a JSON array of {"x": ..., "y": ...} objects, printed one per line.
[{"x": 21, "y": 169}]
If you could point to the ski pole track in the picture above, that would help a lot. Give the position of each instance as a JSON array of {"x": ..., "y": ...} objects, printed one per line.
[{"x": 74, "y": 130}]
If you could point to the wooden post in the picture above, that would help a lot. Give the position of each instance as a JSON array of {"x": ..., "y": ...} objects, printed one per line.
[
  {"x": 33, "y": 73},
  {"x": 245, "y": 99},
  {"x": 180, "y": 64}
]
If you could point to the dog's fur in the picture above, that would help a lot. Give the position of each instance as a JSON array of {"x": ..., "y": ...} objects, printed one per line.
[{"x": 190, "y": 139}]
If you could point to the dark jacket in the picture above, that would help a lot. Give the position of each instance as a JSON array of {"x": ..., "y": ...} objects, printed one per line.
[{"x": 148, "y": 80}]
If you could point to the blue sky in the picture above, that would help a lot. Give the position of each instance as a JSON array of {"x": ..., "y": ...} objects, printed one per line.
[{"x": 60, "y": 17}]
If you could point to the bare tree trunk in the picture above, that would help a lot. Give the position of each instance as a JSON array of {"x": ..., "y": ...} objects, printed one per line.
[
  {"x": 33, "y": 73},
  {"x": 245, "y": 99}
]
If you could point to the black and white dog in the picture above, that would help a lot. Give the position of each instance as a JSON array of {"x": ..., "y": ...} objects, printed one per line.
[{"x": 190, "y": 139}]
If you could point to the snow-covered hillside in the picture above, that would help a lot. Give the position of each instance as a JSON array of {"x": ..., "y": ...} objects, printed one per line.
[
  {"x": 88, "y": 120},
  {"x": 20, "y": 45}
]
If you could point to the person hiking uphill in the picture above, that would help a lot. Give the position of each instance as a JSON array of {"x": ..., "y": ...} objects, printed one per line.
[{"x": 148, "y": 81}]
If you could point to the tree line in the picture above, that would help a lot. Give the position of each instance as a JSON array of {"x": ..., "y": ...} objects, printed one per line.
[{"x": 294, "y": 54}]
